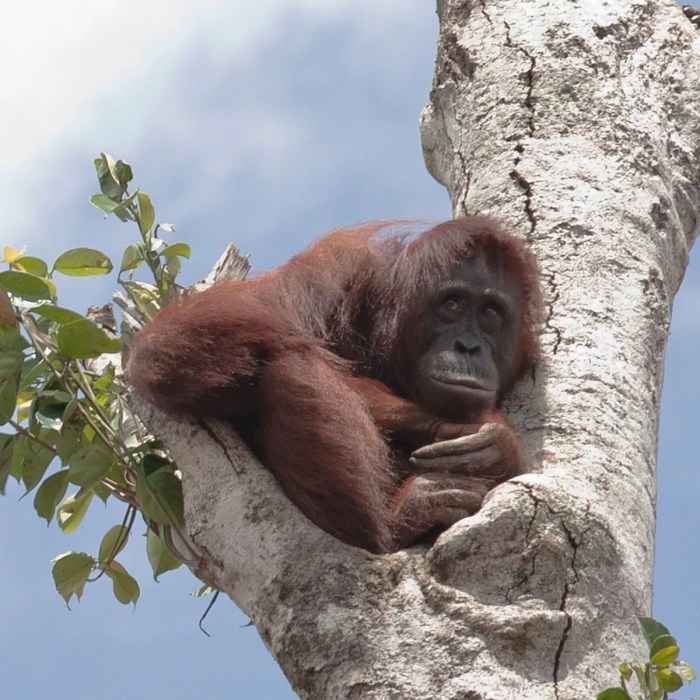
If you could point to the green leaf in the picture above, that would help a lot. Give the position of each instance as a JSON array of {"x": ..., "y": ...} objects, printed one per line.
[
  {"x": 181, "y": 249},
  {"x": 7, "y": 443},
  {"x": 71, "y": 408},
  {"x": 68, "y": 441},
  {"x": 160, "y": 497},
  {"x": 104, "y": 387},
  {"x": 81, "y": 262},
  {"x": 123, "y": 210},
  {"x": 89, "y": 464},
  {"x": 172, "y": 266},
  {"x": 126, "y": 590},
  {"x": 72, "y": 511},
  {"x": 20, "y": 447},
  {"x": 34, "y": 370},
  {"x": 202, "y": 591},
  {"x": 57, "y": 313},
  {"x": 148, "y": 214},
  {"x": 114, "y": 176},
  {"x": 124, "y": 174},
  {"x": 26, "y": 286},
  {"x": 652, "y": 629},
  {"x": 669, "y": 679},
  {"x": 11, "y": 362},
  {"x": 49, "y": 415},
  {"x": 82, "y": 339},
  {"x": 28, "y": 263},
  {"x": 145, "y": 296},
  {"x": 113, "y": 542},
  {"x": 686, "y": 671},
  {"x": 613, "y": 694},
  {"x": 50, "y": 493},
  {"x": 10, "y": 254},
  {"x": 71, "y": 572},
  {"x": 11, "y": 339},
  {"x": 625, "y": 671},
  {"x": 653, "y": 684},
  {"x": 10, "y": 369},
  {"x": 7, "y": 312},
  {"x": 152, "y": 462},
  {"x": 106, "y": 175},
  {"x": 101, "y": 491},
  {"x": 35, "y": 462},
  {"x": 131, "y": 259},
  {"x": 159, "y": 556},
  {"x": 104, "y": 203},
  {"x": 664, "y": 650}
]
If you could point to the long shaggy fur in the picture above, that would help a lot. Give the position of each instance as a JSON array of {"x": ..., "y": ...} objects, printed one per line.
[{"x": 276, "y": 355}]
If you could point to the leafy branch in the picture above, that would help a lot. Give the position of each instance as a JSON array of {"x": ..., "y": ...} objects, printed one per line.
[
  {"x": 62, "y": 393},
  {"x": 662, "y": 674}
]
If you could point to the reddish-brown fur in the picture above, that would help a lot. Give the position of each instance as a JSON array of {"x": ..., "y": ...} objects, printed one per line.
[{"x": 309, "y": 362}]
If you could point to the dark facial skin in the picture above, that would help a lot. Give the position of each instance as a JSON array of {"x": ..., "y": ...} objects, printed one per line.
[{"x": 471, "y": 326}]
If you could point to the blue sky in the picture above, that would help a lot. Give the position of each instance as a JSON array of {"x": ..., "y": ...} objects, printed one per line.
[{"x": 264, "y": 124}]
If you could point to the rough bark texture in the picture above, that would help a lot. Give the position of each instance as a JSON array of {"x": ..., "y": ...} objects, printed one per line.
[{"x": 578, "y": 125}]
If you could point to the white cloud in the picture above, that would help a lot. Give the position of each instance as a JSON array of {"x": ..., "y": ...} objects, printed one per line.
[
  {"x": 217, "y": 104},
  {"x": 62, "y": 57}
]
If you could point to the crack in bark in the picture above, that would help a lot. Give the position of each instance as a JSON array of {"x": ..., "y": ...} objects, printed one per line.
[
  {"x": 215, "y": 438},
  {"x": 467, "y": 179},
  {"x": 457, "y": 59},
  {"x": 457, "y": 67},
  {"x": 533, "y": 564},
  {"x": 562, "y": 641},
  {"x": 461, "y": 199},
  {"x": 562, "y": 606},
  {"x": 574, "y": 544},
  {"x": 520, "y": 180},
  {"x": 515, "y": 175},
  {"x": 486, "y": 14},
  {"x": 536, "y": 501},
  {"x": 550, "y": 312}
]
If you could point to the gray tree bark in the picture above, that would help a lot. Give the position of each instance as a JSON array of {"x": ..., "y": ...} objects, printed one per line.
[{"x": 577, "y": 124}]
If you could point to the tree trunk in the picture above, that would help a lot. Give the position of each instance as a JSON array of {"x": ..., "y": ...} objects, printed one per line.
[{"x": 577, "y": 125}]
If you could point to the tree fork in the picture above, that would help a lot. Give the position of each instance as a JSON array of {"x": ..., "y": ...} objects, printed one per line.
[{"x": 578, "y": 126}]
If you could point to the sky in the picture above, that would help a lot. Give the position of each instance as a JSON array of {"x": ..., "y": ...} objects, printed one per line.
[{"x": 264, "y": 124}]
